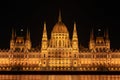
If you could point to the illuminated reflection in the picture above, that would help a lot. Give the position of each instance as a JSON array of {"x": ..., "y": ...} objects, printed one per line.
[{"x": 59, "y": 77}]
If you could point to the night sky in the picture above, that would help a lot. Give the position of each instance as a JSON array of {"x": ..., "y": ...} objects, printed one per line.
[{"x": 87, "y": 14}]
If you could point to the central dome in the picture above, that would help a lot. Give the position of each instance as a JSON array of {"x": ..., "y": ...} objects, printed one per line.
[{"x": 60, "y": 28}]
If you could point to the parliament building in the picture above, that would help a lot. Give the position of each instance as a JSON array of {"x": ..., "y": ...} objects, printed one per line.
[{"x": 59, "y": 53}]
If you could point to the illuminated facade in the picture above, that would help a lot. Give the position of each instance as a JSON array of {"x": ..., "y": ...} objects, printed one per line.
[{"x": 60, "y": 53}]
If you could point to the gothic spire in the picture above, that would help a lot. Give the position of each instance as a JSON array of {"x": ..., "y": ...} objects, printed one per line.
[
  {"x": 91, "y": 43},
  {"x": 107, "y": 39},
  {"x": 44, "y": 32},
  {"x": 44, "y": 39},
  {"x": 74, "y": 26},
  {"x": 107, "y": 35},
  {"x": 75, "y": 32},
  {"x": 75, "y": 39},
  {"x": 28, "y": 34},
  {"x": 44, "y": 26},
  {"x": 92, "y": 35},
  {"x": 13, "y": 35}
]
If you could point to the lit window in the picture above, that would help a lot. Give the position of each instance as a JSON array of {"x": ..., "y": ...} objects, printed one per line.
[
  {"x": 60, "y": 43},
  {"x": 44, "y": 55}
]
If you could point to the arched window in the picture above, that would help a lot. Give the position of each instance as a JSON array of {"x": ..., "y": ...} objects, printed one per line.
[
  {"x": 63, "y": 42},
  {"x": 56, "y": 43},
  {"x": 60, "y": 43},
  {"x": 74, "y": 55},
  {"x": 44, "y": 55}
]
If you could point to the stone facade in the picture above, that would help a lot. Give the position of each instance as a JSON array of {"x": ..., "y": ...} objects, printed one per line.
[{"x": 60, "y": 52}]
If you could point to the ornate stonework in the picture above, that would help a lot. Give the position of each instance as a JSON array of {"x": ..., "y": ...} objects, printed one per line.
[{"x": 60, "y": 53}]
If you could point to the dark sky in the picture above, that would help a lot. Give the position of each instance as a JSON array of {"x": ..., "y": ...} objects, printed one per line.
[{"x": 32, "y": 14}]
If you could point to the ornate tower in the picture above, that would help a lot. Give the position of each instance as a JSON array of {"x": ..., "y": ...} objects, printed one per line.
[
  {"x": 91, "y": 43},
  {"x": 60, "y": 35},
  {"x": 44, "y": 46},
  {"x": 100, "y": 43},
  {"x": 75, "y": 39},
  {"x": 18, "y": 43},
  {"x": 28, "y": 40},
  {"x": 44, "y": 40}
]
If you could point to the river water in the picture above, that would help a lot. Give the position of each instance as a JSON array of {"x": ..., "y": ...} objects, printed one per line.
[{"x": 59, "y": 77}]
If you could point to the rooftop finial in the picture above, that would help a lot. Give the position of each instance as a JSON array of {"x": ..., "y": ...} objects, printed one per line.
[
  {"x": 59, "y": 18},
  {"x": 28, "y": 34},
  {"x": 107, "y": 34},
  {"x": 13, "y": 35},
  {"x": 74, "y": 26},
  {"x": 44, "y": 26}
]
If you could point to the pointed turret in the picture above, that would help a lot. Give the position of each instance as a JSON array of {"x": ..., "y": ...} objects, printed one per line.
[
  {"x": 92, "y": 35},
  {"x": 74, "y": 26},
  {"x": 91, "y": 43},
  {"x": 44, "y": 26},
  {"x": 44, "y": 32},
  {"x": 12, "y": 41},
  {"x": 59, "y": 18},
  {"x": 107, "y": 39},
  {"x": 107, "y": 35},
  {"x": 75, "y": 39},
  {"x": 13, "y": 34},
  {"x": 28, "y": 35},
  {"x": 44, "y": 38},
  {"x": 44, "y": 45},
  {"x": 28, "y": 41}
]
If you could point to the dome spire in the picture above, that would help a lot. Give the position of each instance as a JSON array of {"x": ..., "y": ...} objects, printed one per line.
[{"x": 59, "y": 18}]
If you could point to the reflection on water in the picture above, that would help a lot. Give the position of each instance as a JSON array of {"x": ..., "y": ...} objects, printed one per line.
[{"x": 59, "y": 77}]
